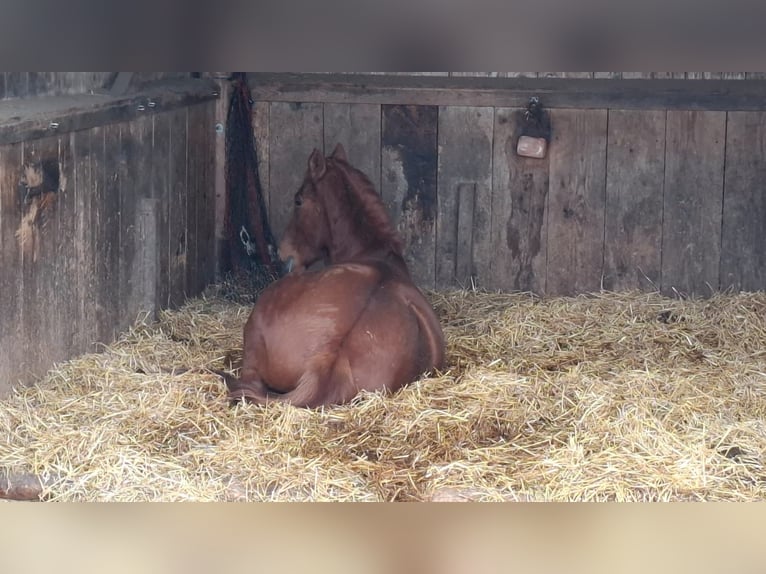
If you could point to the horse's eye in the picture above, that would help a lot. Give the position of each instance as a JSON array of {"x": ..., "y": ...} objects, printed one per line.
[{"x": 298, "y": 200}]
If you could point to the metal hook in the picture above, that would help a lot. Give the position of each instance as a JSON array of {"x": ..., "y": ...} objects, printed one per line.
[{"x": 244, "y": 237}]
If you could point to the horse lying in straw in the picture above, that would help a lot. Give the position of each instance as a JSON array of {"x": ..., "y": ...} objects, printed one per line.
[{"x": 319, "y": 337}]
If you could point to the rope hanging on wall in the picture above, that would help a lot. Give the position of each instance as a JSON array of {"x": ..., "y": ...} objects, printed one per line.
[{"x": 251, "y": 248}]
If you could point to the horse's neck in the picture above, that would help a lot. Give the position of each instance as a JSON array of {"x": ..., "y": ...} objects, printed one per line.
[{"x": 351, "y": 239}]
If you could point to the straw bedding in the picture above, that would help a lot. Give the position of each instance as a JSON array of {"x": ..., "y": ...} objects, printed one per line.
[{"x": 628, "y": 397}]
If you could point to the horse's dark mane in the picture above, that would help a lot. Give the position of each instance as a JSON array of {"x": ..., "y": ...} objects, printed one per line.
[{"x": 366, "y": 201}]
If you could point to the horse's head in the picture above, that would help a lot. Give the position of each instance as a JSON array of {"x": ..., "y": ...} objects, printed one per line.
[{"x": 307, "y": 238}]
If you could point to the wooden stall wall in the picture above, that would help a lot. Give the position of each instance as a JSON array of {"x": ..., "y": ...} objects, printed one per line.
[
  {"x": 26, "y": 84},
  {"x": 630, "y": 197},
  {"x": 125, "y": 226}
]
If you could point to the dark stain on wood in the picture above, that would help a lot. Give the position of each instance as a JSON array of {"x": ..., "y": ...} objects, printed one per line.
[
  {"x": 410, "y": 164},
  {"x": 412, "y": 131},
  {"x": 519, "y": 210}
]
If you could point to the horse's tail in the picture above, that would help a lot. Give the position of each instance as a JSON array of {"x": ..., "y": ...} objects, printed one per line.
[{"x": 328, "y": 381}]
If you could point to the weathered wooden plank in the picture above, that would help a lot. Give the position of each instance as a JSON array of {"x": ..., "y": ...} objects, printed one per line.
[
  {"x": 194, "y": 146},
  {"x": 519, "y": 228},
  {"x": 579, "y": 93},
  {"x": 409, "y": 172},
  {"x": 465, "y": 274},
  {"x": 576, "y": 201},
  {"x": 16, "y": 84},
  {"x": 465, "y": 163},
  {"x": 160, "y": 170},
  {"x": 11, "y": 276},
  {"x": 66, "y": 289},
  {"x": 32, "y": 117},
  {"x": 85, "y": 188},
  {"x": 135, "y": 183},
  {"x": 177, "y": 247},
  {"x": 634, "y": 186},
  {"x": 39, "y": 231},
  {"x": 71, "y": 82},
  {"x": 607, "y": 75},
  {"x": 39, "y": 84},
  {"x": 475, "y": 74},
  {"x": 209, "y": 262},
  {"x": 261, "y": 140},
  {"x": 294, "y": 131},
  {"x": 357, "y": 127},
  {"x": 201, "y": 167},
  {"x": 222, "y": 262},
  {"x": 146, "y": 280},
  {"x": 691, "y": 240},
  {"x": 108, "y": 207},
  {"x": 743, "y": 244}
]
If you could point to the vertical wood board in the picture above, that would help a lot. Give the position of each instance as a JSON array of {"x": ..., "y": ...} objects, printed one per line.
[
  {"x": 409, "y": 171},
  {"x": 11, "y": 277},
  {"x": 108, "y": 241},
  {"x": 465, "y": 164},
  {"x": 357, "y": 128},
  {"x": 160, "y": 175},
  {"x": 577, "y": 201},
  {"x": 177, "y": 209},
  {"x": 743, "y": 242},
  {"x": 294, "y": 131},
  {"x": 694, "y": 162},
  {"x": 135, "y": 183},
  {"x": 519, "y": 228},
  {"x": 634, "y": 189}
]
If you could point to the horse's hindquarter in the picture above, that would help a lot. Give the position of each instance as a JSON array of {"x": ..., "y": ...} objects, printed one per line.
[
  {"x": 396, "y": 339},
  {"x": 350, "y": 326},
  {"x": 301, "y": 321}
]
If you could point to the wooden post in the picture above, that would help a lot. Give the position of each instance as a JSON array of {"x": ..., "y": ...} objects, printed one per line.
[{"x": 221, "y": 111}]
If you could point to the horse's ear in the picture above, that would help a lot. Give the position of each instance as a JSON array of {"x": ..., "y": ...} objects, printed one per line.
[
  {"x": 339, "y": 153},
  {"x": 316, "y": 164}
]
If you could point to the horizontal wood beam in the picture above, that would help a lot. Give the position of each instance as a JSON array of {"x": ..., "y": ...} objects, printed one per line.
[
  {"x": 638, "y": 94},
  {"x": 32, "y": 118}
]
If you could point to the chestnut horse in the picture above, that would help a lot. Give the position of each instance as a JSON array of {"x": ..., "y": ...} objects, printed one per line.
[{"x": 319, "y": 337}]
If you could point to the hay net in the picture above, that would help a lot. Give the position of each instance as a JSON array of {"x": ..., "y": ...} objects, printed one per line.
[
  {"x": 250, "y": 254},
  {"x": 628, "y": 397}
]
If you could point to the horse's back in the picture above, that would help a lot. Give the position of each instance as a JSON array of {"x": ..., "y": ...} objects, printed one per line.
[{"x": 358, "y": 316}]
